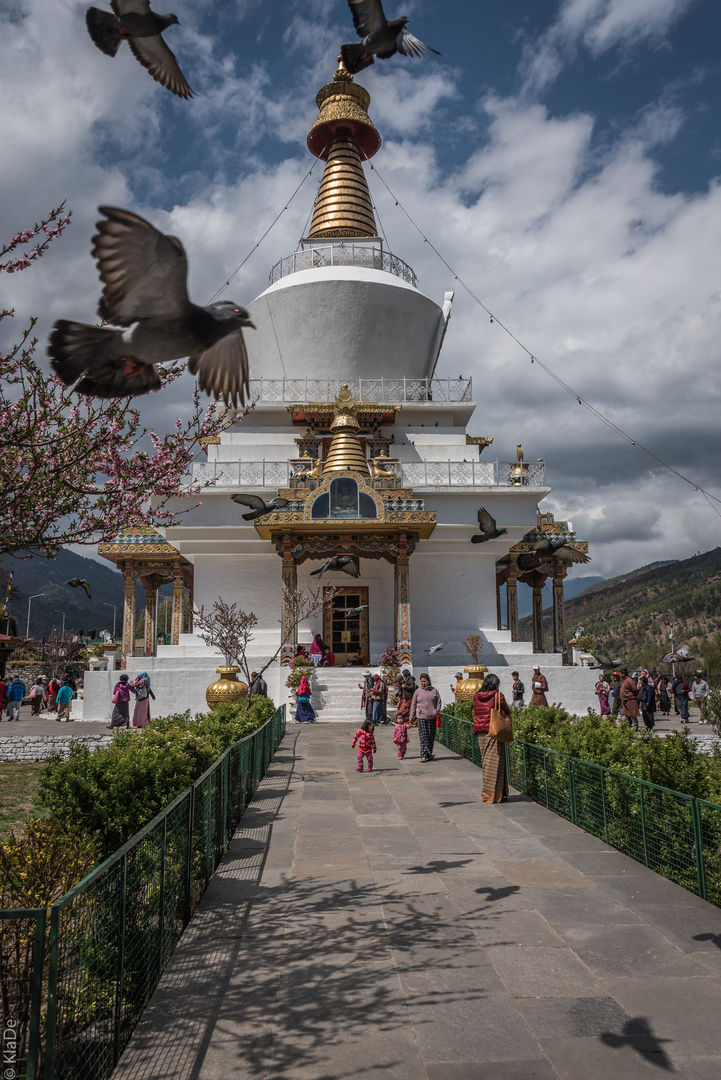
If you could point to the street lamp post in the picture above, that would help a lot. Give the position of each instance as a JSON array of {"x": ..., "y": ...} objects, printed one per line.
[
  {"x": 673, "y": 662},
  {"x": 63, "y": 615},
  {"x": 30, "y": 600},
  {"x": 106, "y": 604}
]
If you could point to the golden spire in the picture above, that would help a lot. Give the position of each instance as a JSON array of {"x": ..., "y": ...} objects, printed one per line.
[
  {"x": 345, "y": 451},
  {"x": 342, "y": 136}
]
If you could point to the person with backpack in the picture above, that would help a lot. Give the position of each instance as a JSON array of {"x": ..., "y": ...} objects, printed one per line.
[
  {"x": 143, "y": 694},
  {"x": 15, "y": 693},
  {"x": 64, "y": 700}
]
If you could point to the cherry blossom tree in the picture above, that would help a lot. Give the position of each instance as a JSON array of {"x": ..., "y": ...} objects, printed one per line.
[{"x": 73, "y": 469}]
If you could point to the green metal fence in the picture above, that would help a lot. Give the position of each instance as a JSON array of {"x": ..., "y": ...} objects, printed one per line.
[
  {"x": 676, "y": 835},
  {"x": 77, "y": 992}
]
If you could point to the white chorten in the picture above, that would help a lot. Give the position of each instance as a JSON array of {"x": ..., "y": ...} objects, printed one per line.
[{"x": 371, "y": 449}]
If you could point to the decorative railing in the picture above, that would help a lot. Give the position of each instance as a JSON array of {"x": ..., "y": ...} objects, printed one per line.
[
  {"x": 73, "y": 997},
  {"x": 385, "y": 391},
  {"x": 414, "y": 474},
  {"x": 367, "y": 256},
  {"x": 676, "y": 835}
]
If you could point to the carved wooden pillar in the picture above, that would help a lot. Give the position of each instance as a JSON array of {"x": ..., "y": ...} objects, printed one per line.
[
  {"x": 191, "y": 601},
  {"x": 129, "y": 612},
  {"x": 178, "y": 598},
  {"x": 499, "y": 618},
  {"x": 151, "y": 616},
  {"x": 559, "y": 622},
  {"x": 512, "y": 599},
  {"x": 402, "y": 608},
  {"x": 290, "y": 585},
  {"x": 538, "y": 618}
]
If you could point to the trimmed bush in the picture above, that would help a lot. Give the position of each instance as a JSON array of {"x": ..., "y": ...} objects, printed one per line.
[{"x": 112, "y": 793}]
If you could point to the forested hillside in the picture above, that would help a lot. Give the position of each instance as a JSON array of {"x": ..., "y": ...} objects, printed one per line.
[{"x": 626, "y": 614}]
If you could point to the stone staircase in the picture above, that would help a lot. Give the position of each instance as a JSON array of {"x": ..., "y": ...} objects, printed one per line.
[{"x": 336, "y": 696}]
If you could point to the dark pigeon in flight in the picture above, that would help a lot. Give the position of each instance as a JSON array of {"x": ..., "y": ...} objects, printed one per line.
[
  {"x": 381, "y": 37},
  {"x": 347, "y": 563},
  {"x": 144, "y": 277},
  {"x": 77, "y": 582},
  {"x": 135, "y": 23},
  {"x": 259, "y": 506},
  {"x": 488, "y": 528},
  {"x": 555, "y": 547}
]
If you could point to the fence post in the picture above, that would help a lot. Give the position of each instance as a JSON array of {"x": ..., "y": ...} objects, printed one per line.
[
  {"x": 161, "y": 913},
  {"x": 545, "y": 773},
  {"x": 698, "y": 843},
  {"x": 121, "y": 956},
  {"x": 36, "y": 992},
  {"x": 189, "y": 858},
  {"x": 602, "y": 774},
  {"x": 643, "y": 824},
  {"x": 52, "y": 1016},
  {"x": 572, "y": 790}
]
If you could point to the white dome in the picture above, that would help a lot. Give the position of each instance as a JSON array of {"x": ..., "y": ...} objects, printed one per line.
[{"x": 343, "y": 322}]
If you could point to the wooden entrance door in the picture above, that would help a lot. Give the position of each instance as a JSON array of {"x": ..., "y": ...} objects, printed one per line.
[{"x": 346, "y": 633}]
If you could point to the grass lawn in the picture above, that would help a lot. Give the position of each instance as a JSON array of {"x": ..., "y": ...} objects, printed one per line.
[{"x": 18, "y": 785}]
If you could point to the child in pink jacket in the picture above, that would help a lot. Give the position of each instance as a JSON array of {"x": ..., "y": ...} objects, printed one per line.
[
  {"x": 400, "y": 737},
  {"x": 366, "y": 744}
]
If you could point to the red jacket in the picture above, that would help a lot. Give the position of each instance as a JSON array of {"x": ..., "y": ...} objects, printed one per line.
[{"x": 483, "y": 701}]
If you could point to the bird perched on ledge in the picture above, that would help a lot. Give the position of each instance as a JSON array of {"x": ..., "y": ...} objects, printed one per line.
[
  {"x": 144, "y": 290},
  {"x": 135, "y": 23},
  {"x": 381, "y": 37}
]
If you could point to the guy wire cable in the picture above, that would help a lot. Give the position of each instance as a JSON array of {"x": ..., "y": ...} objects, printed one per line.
[{"x": 534, "y": 360}]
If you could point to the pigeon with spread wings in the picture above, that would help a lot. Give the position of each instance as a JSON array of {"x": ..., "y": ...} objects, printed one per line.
[
  {"x": 144, "y": 277},
  {"x": 489, "y": 530},
  {"x": 381, "y": 37},
  {"x": 77, "y": 582},
  {"x": 347, "y": 563},
  {"x": 142, "y": 28},
  {"x": 259, "y": 506}
]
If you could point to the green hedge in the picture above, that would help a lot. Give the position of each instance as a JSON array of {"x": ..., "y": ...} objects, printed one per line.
[
  {"x": 109, "y": 794},
  {"x": 672, "y": 762}
]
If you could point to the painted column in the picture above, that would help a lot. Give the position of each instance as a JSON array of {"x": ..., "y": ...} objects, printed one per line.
[
  {"x": 151, "y": 617},
  {"x": 559, "y": 622},
  {"x": 178, "y": 598},
  {"x": 538, "y": 581},
  {"x": 129, "y": 613},
  {"x": 512, "y": 599},
  {"x": 402, "y": 609},
  {"x": 290, "y": 585},
  {"x": 191, "y": 601},
  {"x": 499, "y": 618}
]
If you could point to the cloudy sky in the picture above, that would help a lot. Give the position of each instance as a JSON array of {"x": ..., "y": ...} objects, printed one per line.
[{"x": 563, "y": 155}]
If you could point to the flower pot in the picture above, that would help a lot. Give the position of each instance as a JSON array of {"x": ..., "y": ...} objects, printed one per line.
[
  {"x": 466, "y": 689},
  {"x": 98, "y": 663},
  {"x": 226, "y": 689}
]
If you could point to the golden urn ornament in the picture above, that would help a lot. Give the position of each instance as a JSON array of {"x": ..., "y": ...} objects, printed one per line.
[
  {"x": 465, "y": 690},
  {"x": 226, "y": 689}
]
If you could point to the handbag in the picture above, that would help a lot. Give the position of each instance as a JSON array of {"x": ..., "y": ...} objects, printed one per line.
[{"x": 500, "y": 727}]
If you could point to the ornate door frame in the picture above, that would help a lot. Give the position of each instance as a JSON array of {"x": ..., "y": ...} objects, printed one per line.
[{"x": 363, "y": 630}]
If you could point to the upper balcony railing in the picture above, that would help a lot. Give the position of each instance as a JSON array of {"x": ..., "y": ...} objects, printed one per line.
[
  {"x": 343, "y": 253},
  {"x": 384, "y": 391},
  {"x": 414, "y": 474}
]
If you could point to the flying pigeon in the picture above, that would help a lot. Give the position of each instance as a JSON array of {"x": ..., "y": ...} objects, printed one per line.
[
  {"x": 77, "y": 582},
  {"x": 144, "y": 289},
  {"x": 357, "y": 610},
  {"x": 347, "y": 563},
  {"x": 435, "y": 648},
  {"x": 488, "y": 528},
  {"x": 553, "y": 547},
  {"x": 260, "y": 506},
  {"x": 381, "y": 37},
  {"x": 135, "y": 23}
]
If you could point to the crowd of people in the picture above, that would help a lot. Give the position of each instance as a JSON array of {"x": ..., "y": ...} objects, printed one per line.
[
  {"x": 140, "y": 688},
  {"x": 47, "y": 694},
  {"x": 643, "y": 694}
]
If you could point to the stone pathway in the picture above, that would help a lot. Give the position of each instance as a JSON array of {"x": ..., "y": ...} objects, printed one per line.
[{"x": 394, "y": 925}]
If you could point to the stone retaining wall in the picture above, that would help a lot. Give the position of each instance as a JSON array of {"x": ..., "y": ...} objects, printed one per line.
[{"x": 41, "y": 747}]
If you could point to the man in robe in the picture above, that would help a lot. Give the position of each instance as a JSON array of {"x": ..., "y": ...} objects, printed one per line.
[
  {"x": 539, "y": 686},
  {"x": 629, "y": 699}
]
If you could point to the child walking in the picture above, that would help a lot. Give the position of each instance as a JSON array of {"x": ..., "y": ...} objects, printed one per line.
[
  {"x": 400, "y": 737},
  {"x": 366, "y": 744}
]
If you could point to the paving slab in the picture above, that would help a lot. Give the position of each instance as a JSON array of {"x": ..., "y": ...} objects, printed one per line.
[{"x": 393, "y": 925}]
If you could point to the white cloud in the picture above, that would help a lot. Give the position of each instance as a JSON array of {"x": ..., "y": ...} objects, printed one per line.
[{"x": 596, "y": 25}]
